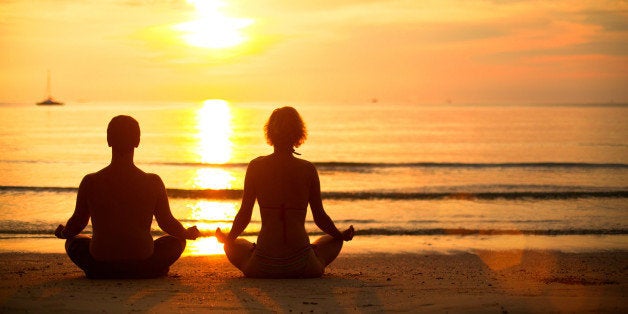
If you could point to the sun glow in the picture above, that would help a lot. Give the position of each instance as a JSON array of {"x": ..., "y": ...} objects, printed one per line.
[
  {"x": 209, "y": 216},
  {"x": 214, "y": 131},
  {"x": 214, "y": 144},
  {"x": 203, "y": 246},
  {"x": 213, "y": 29},
  {"x": 213, "y": 178}
]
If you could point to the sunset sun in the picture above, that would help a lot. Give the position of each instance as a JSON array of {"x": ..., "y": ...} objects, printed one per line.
[{"x": 212, "y": 28}]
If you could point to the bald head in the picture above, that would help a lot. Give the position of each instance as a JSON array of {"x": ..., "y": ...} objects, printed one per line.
[{"x": 123, "y": 133}]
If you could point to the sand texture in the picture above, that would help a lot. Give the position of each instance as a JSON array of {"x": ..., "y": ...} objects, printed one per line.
[{"x": 493, "y": 282}]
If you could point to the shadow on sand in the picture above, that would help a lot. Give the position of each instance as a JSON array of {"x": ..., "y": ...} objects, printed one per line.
[
  {"x": 79, "y": 294},
  {"x": 301, "y": 295}
]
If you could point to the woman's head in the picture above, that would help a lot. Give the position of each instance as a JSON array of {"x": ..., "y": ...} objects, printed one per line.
[{"x": 285, "y": 128}]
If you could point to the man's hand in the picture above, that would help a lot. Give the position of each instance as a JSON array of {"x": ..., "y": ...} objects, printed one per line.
[
  {"x": 192, "y": 233},
  {"x": 348, "y": 234},
  {"x": 59, "y": 232}
]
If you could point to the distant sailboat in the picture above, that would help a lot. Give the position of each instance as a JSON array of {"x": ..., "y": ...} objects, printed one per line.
[{"x": 49, "y": 101}]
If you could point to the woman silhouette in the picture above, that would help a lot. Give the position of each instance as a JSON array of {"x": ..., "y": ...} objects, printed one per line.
[{"x": 283, "y": 186}]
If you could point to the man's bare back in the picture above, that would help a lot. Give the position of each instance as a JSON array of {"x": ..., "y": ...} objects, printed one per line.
[{"x": 121, "y": 201}]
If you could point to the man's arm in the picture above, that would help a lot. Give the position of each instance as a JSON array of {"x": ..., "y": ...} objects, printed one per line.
[
  {"x": 80, "y": 218},
  {"x": 164, "y": 217}
]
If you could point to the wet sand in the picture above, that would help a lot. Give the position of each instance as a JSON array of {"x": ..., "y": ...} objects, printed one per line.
[{"x": 483, "y": 281}]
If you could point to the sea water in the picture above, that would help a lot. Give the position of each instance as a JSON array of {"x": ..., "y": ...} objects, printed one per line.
[{"x": 409, "y": 178}]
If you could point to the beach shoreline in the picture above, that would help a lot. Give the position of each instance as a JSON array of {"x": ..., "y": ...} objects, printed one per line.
[
  {"x": 413, "y": 244},
  {"x": 482, "y": 281}
]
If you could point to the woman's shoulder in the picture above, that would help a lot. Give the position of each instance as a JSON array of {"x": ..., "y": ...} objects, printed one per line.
[
  {"x": 306, "y": 163},
  {"x": 257, "y": 160},
  {"x": 261, "y": 161},
  {"x": 306, "y": 166}
]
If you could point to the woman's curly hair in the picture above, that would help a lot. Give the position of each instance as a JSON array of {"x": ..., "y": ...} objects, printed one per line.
[{"x": 285, "y": 128}]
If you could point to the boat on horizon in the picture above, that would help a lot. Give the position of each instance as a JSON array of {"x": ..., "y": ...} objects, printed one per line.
[{"x": 49, "y": 101}]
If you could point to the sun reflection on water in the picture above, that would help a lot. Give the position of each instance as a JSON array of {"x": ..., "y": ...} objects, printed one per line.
[
  {"x": 213, "y": 178},
  {"x": 209, "y": 215},
  {"x": 214, "y": 131},
  {"x": 214, "y": 127},
  {"x": 204, "y": 246}
]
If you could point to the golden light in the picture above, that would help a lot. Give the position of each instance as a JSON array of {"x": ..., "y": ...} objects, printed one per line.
[
  {"x": 214, "y": 131},
  {"x": 204, "y": 246},
  {"x": 210, "y": 215},
  {"x": 213, "y": 178},
  {"x": 214, "y": 144},
  {"x": 213, "y": 29}
]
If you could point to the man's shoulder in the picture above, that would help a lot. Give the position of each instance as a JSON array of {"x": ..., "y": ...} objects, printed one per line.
[
  {"x": 90, "y": 179},
  {"x": 154, "y": 180},
  {"x": 152, "y": 176},
  {"x": 104, "y": 173},
  {"x": 92, "y": 176},
  {"x": 100, "y": 173}
]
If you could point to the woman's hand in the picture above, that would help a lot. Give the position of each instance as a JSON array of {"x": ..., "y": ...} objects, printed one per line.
[
  {"x": 192, "y": 233},
  {"x": 348, "y": 234},
  {"x": 59, "y": 232},
  {"x": 221, "y": 236}
]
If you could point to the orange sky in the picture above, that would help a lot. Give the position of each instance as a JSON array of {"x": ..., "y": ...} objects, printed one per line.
[{"x": 424, "y": 52}]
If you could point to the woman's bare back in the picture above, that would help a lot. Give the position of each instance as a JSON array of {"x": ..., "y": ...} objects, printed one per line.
[{"x": 282, "y": 185}]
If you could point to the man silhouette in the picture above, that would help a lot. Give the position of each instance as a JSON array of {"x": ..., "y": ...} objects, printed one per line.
[{"x": 121, "y": 201}]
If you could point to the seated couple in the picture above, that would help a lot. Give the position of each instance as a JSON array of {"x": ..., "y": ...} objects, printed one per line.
[{"x": 121, "y": 201}]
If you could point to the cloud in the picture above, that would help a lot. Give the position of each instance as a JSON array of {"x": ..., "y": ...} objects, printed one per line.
[
  {"x": 614, "y": 21},
  {"x": 291, "y": 6},
  {"x": 402, "y": 49}
]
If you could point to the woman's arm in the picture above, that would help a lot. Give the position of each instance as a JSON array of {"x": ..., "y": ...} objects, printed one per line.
[
  {"x": 80, "y": 217},
  {"x": 164, "y": 217},
  {"x": 243, "y": 217},
  {"x": 321, "y": 219}
]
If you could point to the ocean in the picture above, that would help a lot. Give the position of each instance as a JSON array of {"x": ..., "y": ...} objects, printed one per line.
[{"x": 409, "y": 178}]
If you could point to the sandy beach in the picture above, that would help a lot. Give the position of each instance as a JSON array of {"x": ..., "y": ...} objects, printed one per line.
[{"x": 484, "y": 281}]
